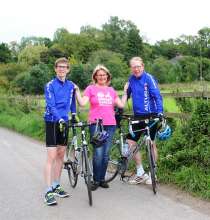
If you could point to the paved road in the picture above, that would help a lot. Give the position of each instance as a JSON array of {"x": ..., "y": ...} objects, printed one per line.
[{"x": 21, "y": 188}]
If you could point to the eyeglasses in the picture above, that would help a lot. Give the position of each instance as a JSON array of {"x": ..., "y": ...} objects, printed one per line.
[
  {"x": 62, "y": 67},
  {"x": 101, "y": 75},
  {"x": 136, "y": 67}
]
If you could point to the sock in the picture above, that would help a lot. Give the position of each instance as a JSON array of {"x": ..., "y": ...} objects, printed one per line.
[
  {"x": 55, "y": 183},
  {"x": 48, "y": 189},
  {"x": 140, "y": 170}
]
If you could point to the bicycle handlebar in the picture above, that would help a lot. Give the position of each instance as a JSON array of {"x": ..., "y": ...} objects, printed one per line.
[
  {"x": 79, "y": 124},
  {"x": 146, "y": 120}
]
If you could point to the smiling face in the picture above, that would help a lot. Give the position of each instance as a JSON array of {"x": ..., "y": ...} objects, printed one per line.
[
  {"x": 61, "y": 70},
  {"x": 137, "y": 67},
  {"x": 101, "y": 77}
]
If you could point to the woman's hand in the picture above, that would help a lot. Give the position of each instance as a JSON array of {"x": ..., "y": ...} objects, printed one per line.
[
  {"x": 76, "y": 87},
  {"x": 126, "y": 87}
]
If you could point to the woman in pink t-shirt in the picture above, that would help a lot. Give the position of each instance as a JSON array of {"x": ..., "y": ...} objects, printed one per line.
[{"x": 102, "y": 99}]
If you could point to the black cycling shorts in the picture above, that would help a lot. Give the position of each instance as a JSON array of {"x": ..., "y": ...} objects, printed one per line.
[
  {"x": 142, "y": 125},
  {"x": 54, "y": 136}
]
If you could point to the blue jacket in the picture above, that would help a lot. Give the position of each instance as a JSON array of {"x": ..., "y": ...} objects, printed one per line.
[
  {"x": 60, "y": 100},
  {"x": 145, "y": 94}
]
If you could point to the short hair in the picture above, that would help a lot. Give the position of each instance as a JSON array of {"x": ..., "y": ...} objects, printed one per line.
[
  {"x": 136, "y": 59},
  {"x": 62, "y": 60},
  {"x": 101, "y": 67}
]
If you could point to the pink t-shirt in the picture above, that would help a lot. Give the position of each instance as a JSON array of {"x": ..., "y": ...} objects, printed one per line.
[{"x": 102, "y": 101}]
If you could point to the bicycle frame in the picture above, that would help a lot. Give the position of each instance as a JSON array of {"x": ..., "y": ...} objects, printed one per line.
[
  {"x": 124, "y": 159},
  {"x": 79, "y": 164},
  {"x": 143, "y": 141}
]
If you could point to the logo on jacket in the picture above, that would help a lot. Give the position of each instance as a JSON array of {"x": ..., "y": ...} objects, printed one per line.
[{"x": 146, "y": 97}]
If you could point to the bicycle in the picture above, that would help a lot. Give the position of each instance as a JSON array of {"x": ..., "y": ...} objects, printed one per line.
[
  {"x": 77, "y": 162},
  {"x": 119, "y": 160}
]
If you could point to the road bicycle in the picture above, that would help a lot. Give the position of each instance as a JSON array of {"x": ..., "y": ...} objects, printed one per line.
[
  {"x": 120, "y": 158},
  {"x": 77, "y": 161}
]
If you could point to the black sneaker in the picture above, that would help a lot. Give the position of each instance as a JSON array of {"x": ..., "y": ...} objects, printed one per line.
[
  {"x": 49, "y": 198},
  {"x": 94, "y": 186},
  {"x": 58, "y": 191},
  {"x": 103, "y": 184}
]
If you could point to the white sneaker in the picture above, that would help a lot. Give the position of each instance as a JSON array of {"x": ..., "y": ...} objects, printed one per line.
[{"x": 145, "y": 178}]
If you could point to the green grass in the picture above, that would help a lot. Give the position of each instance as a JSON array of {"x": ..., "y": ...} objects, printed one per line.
[{"x": 170, "y": 105}]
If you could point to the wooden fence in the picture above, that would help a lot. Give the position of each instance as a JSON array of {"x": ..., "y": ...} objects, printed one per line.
[
  {"x": 37, "y": 102},
  {"x": 196, "y": 94}
]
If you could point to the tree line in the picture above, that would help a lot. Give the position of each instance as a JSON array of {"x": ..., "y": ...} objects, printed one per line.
[{"x": 26, "y": 66}]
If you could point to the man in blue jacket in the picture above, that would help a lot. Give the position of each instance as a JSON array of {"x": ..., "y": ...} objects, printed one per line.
[
  {"x": 146, "y": 99},
  {"x": 60, "y": 100}
]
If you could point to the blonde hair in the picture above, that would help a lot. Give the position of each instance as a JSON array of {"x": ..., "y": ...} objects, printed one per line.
[
  {"x": 136, "y": 59},
  {"x": 101, "y": 67}
]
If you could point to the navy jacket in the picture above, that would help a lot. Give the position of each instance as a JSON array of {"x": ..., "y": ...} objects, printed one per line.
[
  {"x": 145, "y": 94},
  {"x": 60, "y": 100}
]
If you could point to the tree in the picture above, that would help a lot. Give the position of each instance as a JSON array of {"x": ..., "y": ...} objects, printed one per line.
[
  {"x": 134, "y": 44},
  {"x": 188, "y": 45},
  {"x": 31, "y": 54},
  {"x": 122, "y": 37},
  {"x": 81, "y": 74},
  {"x": 35, "y": 41},
  {"x": 204, "y": 36},
  {"x": 91, "y": 32},
  {"x": 59, "y": 34},
  {"x": 5, "y": 53},
  {"x": 15, "y": 49},
  {"x": 160, "y": 69},
  {"x": 78, "y": 45},
  {"x": 113, "y": 61},
  {"x": 33, "y": 81},
  {"x": 166, "y": 49},
  {"x": 49, "y": 56},
  {"x": 205, "y": 68},
  {"x": 190, "y": 68},
  {"x": 11, "y": 70}
]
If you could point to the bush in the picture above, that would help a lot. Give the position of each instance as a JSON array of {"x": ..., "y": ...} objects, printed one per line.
[
  {"x": 33, "y": 81},
  {"x": 81, "y": 74},
  {"x": 12, "y": 116},
  {"x": 185, "y": 158},
  {"x": 118, "y": 83}
]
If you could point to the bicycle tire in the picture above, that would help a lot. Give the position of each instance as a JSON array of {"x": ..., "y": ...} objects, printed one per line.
[
  {"x": 114, "y": 164},
  {"x": 72, "y": 174},
  {"x": 87, "y": 175},
  {"x": 150, "y": 154},
  {"x": 71, "y": 165}
]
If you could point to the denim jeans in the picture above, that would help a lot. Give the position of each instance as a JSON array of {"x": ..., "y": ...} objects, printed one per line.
[{"x": 101, "y": 154}]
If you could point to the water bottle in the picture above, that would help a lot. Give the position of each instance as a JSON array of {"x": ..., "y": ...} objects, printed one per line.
[{"x": 125, "y": 150}]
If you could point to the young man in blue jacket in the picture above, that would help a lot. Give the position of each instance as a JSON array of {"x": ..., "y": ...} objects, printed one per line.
[
  {"x": 60, "y": 100},
  {"x": 146, "y": 99}
]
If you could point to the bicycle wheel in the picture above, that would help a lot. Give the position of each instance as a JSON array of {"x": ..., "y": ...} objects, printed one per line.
[
  {"x": 87, "y": 175},
  {"x": 114, "y": 163},
  {"x": 71, "y": 165},
  {"x": 72, "y": 174},
  {"x": 151, "y": 159}
]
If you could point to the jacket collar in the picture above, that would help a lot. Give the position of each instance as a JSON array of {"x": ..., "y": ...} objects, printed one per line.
[{"x": 59, "y": 81}]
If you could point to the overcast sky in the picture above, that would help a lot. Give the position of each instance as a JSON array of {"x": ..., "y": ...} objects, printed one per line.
[{"x": 156, "y": 19}]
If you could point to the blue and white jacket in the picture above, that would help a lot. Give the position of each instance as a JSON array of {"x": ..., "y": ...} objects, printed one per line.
[
  {"x": 145, "y": 94},
  {"x": 60, "y": 100}
]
